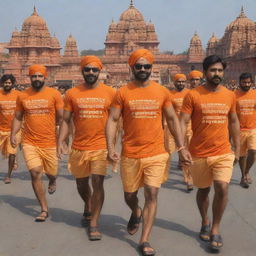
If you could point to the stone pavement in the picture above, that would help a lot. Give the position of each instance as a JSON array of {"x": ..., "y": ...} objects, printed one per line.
[{"x": 175, "y": 231}]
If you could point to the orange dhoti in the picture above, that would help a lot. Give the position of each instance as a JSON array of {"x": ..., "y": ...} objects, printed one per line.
[
  {"x": 83, "y": 163},
  {"x": 5, "y": 143},
  {"x": 41, "y": 157},
  {"x": 137, "y": 172},
  {"x": 247, "y": 141},
  {"x": 213, "y": 168}
]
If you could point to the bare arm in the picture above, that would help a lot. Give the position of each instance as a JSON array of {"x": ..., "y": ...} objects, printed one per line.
[
  {"x": 184, "y": 120},
  {"x": 59, "y": 116},
  {"x": 63, "y": 132},
  {"x": 111, "y": 127},
  {"x": 175, "y": 129},
  {"x": 16, "y": 125},
  {"x": 234, "y": 129}
]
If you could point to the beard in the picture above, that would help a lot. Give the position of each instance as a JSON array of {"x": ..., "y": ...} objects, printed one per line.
[
  {"x": 90, "y": 79},
  {"x": 142, "y": 76},
  {"x": 7, "y": 88},
  {"x": 245, "y": 88},
  {"x": 37, "y": 85},
  {"x": 180, "y": 87},
  {"x": 215, "y": 81}
]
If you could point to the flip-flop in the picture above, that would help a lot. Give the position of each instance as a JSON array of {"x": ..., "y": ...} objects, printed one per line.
[
  {"x": 51, "y": 188},
  {"x": 205, "y": 232},
  {"x": 94, "y": 230},
  {"x": 41, "y": 218},
  {"x": 7, "y": 180},
  {"x": 146, "y": 253},
  {"x": 87, "y": 216},
  {"x": 218, "y": 240},
  {"x": 134, "y": 223}
]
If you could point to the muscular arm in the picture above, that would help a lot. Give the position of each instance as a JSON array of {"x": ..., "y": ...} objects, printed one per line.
[
  {"x": 59, "y": 116},
  {"x": 111, "y": 127},
  {"x": 174, "y": 126},
  {"x": 184, "y": 120},
  {"x": 16, "y": 125},
  {"x": 234, "y": 129},
  {"x": 64, "y": 127}
]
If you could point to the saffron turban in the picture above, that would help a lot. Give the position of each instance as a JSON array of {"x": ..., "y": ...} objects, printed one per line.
[
  {"x": 92, "y": 60},
  {"x": 140, "y": 53},
  {"x": 37, "y": 68},
  {"x": 195, "y": 74},
  {"x": 179, "y": 76}
]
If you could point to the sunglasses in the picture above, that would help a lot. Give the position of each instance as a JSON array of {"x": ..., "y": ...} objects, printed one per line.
[
  {"x": 94, "y": 70},
  {"x": 145, "y": 66}
]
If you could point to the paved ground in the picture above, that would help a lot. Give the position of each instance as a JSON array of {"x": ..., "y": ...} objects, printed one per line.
[{"x": 175, "y": 231}]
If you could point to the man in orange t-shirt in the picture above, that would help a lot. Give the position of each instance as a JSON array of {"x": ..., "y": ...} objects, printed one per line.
[
  {"x": 212, "y": 109},
  {"x": 39, "y": 105},
  {"x": 141, "y": 104},
  {"x": 246, "y": 110},
  {"x": 8, "y": 97},
  {"x": 89, "y": 105},
  {"x": 177, "y": 97},
  {"x": 195, "y": 78}
]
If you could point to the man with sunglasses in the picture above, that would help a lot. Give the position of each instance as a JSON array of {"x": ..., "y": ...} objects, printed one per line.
[
  {"x": 39, "y": 106},
  {"x": 88, "y": 104},
  {"x": 141, "y": 104}
]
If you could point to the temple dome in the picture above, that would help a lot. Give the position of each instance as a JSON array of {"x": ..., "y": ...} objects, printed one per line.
[
  {"x": 131, "y": 14},
  {"x": 213, "y": 39},
  {"x": 34, "y": 20},
  {"x": 195, "y": 39}
]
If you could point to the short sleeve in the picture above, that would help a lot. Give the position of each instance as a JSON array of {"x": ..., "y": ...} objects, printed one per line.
[
  {"x": 187, "y": 106},
  {"x": 118, "y": 100},
  {"x": 58, "y": 101},
  {"x": 68, "y": 106},
  {"x": 167, "y": 99}
]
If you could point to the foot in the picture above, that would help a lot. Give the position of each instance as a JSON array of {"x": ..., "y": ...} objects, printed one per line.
[
  {"x": 7, "y": 180},
  {"x": 87, "y": 216},
  {"x": 216, "y": 242},
  {"x": 146, "y": 249},
  {"x": 244, "y": 183},
  {"x": 52, "y": 186},
  {"x": 15, "y": 166},
  {"x": 94, "y": 233},
  {"x": 134, "y": 222},
  {"x": 248, "y": 178},
  {"x": 42, "y": 216},
  {"x": 189, "y": 187},
  {"x": 205, "y": 232}
]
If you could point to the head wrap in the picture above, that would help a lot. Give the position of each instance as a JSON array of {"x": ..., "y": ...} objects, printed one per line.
[
  {"x": 92, "y": 60},
  {"x": 195, "y": 74},
  {"x": 140, "y": 53},
  {"x": 37, "y": 68},
  {"x": 179, "y": 76}
]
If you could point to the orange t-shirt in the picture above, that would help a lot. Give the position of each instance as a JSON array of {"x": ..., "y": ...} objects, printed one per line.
[
  {"x": 7, "y": 108},
  {"x": 142, "y": 118},
  {"x": 177, "y": 99},
  {"x": 246, "y": 109},
  {"x": 90, "y": 109},
  {"x": 209, "y": 115},
  {"x": 39, "y": 116}
]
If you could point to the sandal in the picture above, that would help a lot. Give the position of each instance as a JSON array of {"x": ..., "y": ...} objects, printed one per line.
[
  {"x": 145, "y": 245},
  {"x": 52, "y": 187},
  {"x": 205, "y": 232},
  {"x": 134, "y": 223},
  {"x": 7, "y": 180},
  {"x": 216, "y": 242},
  {"x": 41, "y": 218},
  {"x": 86, "y": 218},
  {"x": 244, "y": 183},
  {"x": 93, "y": 237}
]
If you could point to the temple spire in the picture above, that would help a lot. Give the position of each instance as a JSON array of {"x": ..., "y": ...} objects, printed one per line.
[
  {"x": 35, "y": 11},
  {"x": 132, "y": 3},
  {"x": 242, "y": 14}
]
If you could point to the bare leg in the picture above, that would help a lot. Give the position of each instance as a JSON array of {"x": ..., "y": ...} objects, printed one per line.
[
  {"x": 84, "y": 191},
  {"x": 202, "y": 199},
  {"x": 149, "y": 213},
  {"x": 251, "y": 159},
  {"x": 52, "y": 184},
  {"x": 11, "y": 161},
  {"x": 38, "y": 187}
]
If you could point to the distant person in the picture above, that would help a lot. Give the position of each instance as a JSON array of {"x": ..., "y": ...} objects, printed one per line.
[
  {"x": 195, "y": 78},
  {"x": 246, "y": 110},
  {"x": 8, "y": 97},
  {"x": 212, "y": 109}
]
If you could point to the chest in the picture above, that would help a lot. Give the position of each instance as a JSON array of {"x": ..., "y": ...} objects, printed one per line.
[
  {"x": 7, "y": 104},
  {"x": 45, "y": 104}
]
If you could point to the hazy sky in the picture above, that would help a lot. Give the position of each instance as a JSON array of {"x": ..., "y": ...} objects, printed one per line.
[{"x": 88, "y": 20}]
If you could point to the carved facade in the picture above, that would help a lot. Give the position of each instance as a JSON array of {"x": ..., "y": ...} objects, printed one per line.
[{"x": 34, "y": 44}]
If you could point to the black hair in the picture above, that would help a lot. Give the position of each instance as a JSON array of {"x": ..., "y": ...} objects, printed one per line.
[
  {"x": 7, "y": 77},
  {"x": 213, "y": 59},
  {"x": 245, "y": 76}
]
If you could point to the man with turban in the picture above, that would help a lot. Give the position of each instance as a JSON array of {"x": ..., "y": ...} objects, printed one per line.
[
  {"x": 177, "y": 97},
  {"x": 8, "y": 97},
  {"x": 88, "y": 105},
  {"x": 40, "y": 107},
  {"x": 143, "y": 163},
  {"x": 195, "y": 78}
]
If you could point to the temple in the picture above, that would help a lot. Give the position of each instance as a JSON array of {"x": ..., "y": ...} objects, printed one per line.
[{"x": 34, "y": 44}]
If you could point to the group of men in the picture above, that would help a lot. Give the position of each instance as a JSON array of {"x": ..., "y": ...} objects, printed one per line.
[{"x": 201, "y": 122}]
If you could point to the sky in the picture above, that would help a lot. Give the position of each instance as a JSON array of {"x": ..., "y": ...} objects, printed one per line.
[{"x": 87, "y": 20}]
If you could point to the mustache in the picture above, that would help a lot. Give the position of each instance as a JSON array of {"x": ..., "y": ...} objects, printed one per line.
[{"x": 216, "y": 77}]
